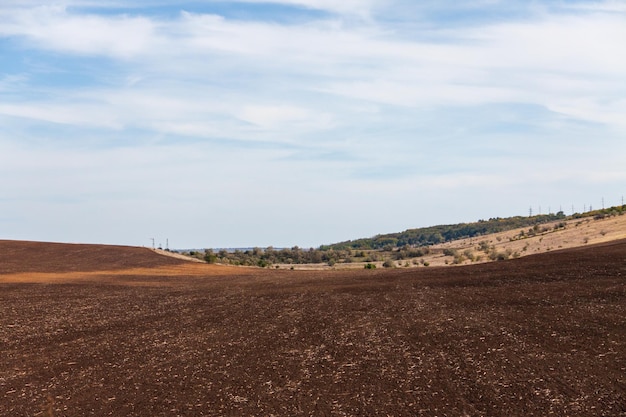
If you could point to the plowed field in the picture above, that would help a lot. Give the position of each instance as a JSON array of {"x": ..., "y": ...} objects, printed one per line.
[{"x": 90, "y": 330}]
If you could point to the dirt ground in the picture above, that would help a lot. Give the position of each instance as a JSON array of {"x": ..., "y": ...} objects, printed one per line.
[{"x": 123, "y": 331}]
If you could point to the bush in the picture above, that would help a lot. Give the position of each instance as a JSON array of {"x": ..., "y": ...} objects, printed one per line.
[
  {"x": 484, "y": 246},
  {"x": 370, "y": 266},
  {"x": 210, "y": 257},
  {"x": 501, "y": 256},
  {"x": 389, "y": 264}
]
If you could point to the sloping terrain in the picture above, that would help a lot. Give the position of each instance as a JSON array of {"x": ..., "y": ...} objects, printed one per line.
[
  {"x": 23, "y": 256},
  {"x": 40, "y": 262},
  {"x": 535, "y": 336},
  {"x": 573, "y": 233}
]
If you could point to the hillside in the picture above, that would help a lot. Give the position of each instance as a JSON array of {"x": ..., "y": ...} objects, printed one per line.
[
  {"x": 23, "y": 256},
  {"x": 41, "y": 262},
  {"x": 572, "y": 232},
  {"x": 434, "y": 235},
  {"x": 482, "y": 241}
]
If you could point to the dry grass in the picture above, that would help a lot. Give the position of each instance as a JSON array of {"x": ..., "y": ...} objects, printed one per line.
[{"x": 577, "y": 233}]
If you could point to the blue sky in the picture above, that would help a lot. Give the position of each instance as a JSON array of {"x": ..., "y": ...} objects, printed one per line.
[{"x": 303, "y": 122}]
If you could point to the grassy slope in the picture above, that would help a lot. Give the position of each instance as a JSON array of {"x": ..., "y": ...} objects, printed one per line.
[{"x": 577, "y": 232}]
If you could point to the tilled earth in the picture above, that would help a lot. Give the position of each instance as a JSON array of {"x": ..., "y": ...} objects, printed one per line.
[{"x": 537, "y": 336}]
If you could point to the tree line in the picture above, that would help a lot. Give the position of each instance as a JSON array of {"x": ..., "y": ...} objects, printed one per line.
[{"x": 265, "y": 257}]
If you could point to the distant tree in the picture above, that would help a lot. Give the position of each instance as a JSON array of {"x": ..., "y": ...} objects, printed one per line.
[{"x": 209, "y": 256}]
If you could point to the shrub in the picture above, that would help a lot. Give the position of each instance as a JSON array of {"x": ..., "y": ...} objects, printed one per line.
[
  {"x": 501, "y": 256},
  {"x": 210, "y": 257},
  {"x": 370, "y": 266},
  {"x": 388, "y": 264},
  {"x": 484, "y": 246}
]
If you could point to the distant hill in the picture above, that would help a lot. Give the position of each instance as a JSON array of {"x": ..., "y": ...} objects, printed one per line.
[
  {"x": 431, "y": 245},
  {"x": 434, "y": 235}
]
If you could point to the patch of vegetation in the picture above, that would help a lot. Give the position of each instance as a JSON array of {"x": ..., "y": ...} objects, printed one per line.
[
  {"x": 603, "y": 213},
  {"x": 389, "y": 264},
  {"x": 445, "y": 233}
]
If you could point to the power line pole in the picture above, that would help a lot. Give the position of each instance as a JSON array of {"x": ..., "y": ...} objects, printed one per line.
[{"x": 152, "y": 242}]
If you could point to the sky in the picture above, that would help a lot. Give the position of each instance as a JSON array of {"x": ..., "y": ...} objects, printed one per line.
[{"x": 303, "y": 122}]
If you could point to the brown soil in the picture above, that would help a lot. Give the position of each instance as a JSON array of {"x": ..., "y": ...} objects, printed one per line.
[
  {"x": 91, "y": 330},
  {"x": 22, "y": 256}
]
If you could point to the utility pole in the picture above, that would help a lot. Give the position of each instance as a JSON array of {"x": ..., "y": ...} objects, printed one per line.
[
  {"x": 530, "y": 212},
  {"x": 152, "y": 242},
  {"x": 602, "y": 203}
]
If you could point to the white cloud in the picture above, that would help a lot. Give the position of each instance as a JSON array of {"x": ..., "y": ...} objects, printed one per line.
[
  {"x": 366, "y": 64},
  {"x": 52, "y": 27},
  {"x": 277, "y": 116}
]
